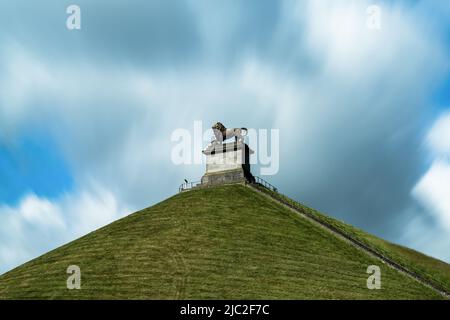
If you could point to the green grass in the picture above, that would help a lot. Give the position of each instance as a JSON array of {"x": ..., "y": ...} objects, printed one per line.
[
  {"x": 433, "y": 270},
  {"x": 227, "y": 242}
]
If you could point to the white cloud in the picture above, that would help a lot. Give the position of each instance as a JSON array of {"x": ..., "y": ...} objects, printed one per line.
[
  {"x": 89, "y": 210},
  {"x": 438, "y": 138},
  {"x": 40, "y": 212},
  {"x": 433, "y": 191},
  {"x": 37, "y": 225},
  {"x": 420, "y": 234}
]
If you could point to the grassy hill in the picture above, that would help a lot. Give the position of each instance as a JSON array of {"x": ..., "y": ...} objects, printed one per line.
[
  {"x": 227, "y": 242},
  {"x": 428, "y": 268}
]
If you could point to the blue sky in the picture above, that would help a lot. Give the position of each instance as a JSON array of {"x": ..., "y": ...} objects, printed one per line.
[
  {"x": 86, "y": 115},
  {"x": 34, "y": 164}
]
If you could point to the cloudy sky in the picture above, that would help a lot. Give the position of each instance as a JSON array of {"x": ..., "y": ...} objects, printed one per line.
[{"x": 86, "y": 116}]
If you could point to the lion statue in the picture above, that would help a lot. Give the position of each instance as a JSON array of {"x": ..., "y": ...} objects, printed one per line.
[{"x": 221, "y": 133}]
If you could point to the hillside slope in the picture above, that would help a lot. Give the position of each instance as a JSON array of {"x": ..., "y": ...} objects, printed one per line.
[
  {"x": 431, "y": 270},
  {"x": 227, "y": 242}
]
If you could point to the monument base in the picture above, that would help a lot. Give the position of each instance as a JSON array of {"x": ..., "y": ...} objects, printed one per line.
[
  {"x": 227, "y": 163},
  {"x": 224, "y": 177}
]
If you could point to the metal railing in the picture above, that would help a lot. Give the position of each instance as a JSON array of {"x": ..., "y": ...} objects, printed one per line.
[
  {"x": 188, "y": 185},
  {"x": 259, "y": 181},
  {"x": 265, "y": 184}
]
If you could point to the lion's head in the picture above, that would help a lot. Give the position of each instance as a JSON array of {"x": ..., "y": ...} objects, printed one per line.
[{"x": 219, "y": 126}]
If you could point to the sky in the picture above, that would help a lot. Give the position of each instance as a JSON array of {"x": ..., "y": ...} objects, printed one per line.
[{"x": 86, "y": 115}]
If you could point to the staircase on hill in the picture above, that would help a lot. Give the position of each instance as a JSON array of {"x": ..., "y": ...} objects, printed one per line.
[{"x": 358, "y": 242}]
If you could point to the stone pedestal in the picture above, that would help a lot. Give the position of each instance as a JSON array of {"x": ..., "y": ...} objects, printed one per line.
[{"x": 227, "y": 163}]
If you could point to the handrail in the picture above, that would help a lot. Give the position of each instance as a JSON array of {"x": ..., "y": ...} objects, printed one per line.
[
  {"x": 265, "y": 184},
  {"x": 259, "y": 181},
  {"x": 188, "y": 185}
]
